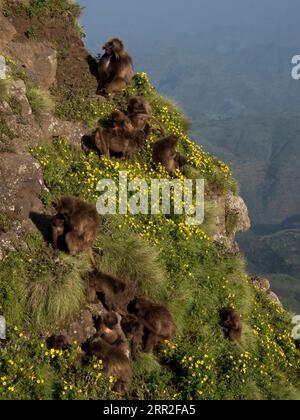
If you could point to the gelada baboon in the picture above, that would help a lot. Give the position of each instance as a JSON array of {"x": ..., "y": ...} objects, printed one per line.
[
  {"x": 109, "y": 328},
  {"x": 115, "y": 362},
  {"x": 134, "y": 331},
  {"x": 125, "y": 142},
  {"x": 115, "y": 69},
  {"x": 157, "y": 320},
  {"x": 231, "y": 323},
  {"x": 139, "y": 111},
  {"x": 180, "y": 161},
  {"x": 81, "y": 224},
  {"x": 58, "y": 230},
  {"x": 164, "y": 152},
  {"x": 120, "y": 123},
  {"x": 111, "y": 290}
]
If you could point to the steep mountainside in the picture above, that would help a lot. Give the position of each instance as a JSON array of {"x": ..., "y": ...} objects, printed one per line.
[
  {"x": 237, "y": 87},
  {"x": 49, "y": 111}
]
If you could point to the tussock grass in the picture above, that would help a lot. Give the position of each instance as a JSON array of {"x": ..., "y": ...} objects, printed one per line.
[
  {"x": 131, "y": 258},
  {"x": 45, "y": 288},
  {"x": 39, "y": 100},
  {"x": 55, "y": 297},
  {"x": 146, "y": 363},
  {"x": 4, "y": 90}
]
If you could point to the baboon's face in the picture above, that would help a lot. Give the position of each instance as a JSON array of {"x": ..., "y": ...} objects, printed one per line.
[
  {"x": 113, "y": 46},
  {"x": 58, "y": 221}
]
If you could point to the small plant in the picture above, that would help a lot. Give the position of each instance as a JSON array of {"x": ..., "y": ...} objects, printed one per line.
[
  {"x": 39, "y": 100},
  {"x": 231, "y": 219},
  {"x": 6, "y": 222},
  {"x": 52, "y": 8},
  {"x": 4, "y": 90},
  {"x": 31, "y": 32},
  {"x": 7, "y": 11},
  {"x": 15, "y": 105}
]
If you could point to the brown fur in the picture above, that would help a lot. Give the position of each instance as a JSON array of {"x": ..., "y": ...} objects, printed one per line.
[
  {"x": 231, "y": 323},
  {"x": 157, "y": 320},
  {"x": 115, "y": 69},
  {"x": 164, "y": 152},
  {"x": 115, "y": 362},
  {"x": 120, "y": 123},
  {"x": 139, "y": 111},
  {"x": 58, "y": 228},
  {"x": 134, "y": 331},
  {"x": 109, "y": 329},
  {"x": 126, "y": 143},
  {"x": 81, "y": 223},
  {"x": 180, "y": 161},
  {"x": 113, "y": 292}
]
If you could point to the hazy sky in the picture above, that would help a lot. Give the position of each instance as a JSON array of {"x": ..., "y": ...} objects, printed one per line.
[{"x": 165, "y": 23}]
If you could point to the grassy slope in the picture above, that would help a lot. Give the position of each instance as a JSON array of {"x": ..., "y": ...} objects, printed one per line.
[{"x": 160, "y": 257}]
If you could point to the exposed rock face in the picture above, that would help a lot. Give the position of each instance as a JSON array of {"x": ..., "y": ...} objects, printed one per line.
[
  {"x": 39, "y": 61},
  {"x": 236, "y": 205},
  {"x": 231, "y": 210},
  {"x": 264, "y": 285},
  {"x": 18, "y": 91},
  {"x": 20, "y": 187},
  {"x": 81, "y": 329},
  {"x": 72, "y": 130},
  {"x": 21, "y": 184},
  {"x": 7, "y": 32},
  {"x": 274, "y": 297}
]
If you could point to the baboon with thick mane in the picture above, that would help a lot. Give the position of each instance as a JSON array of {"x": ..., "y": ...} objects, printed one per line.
[
  {"x": 115, "y": 68},
  {"x": 231, "y": 323},
  {"x": 157, "y": 320}
]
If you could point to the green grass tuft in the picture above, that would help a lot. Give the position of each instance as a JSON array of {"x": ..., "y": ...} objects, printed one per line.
[{"x": 39, "y": 100}]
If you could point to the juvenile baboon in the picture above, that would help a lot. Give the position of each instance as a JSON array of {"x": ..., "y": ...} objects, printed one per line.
[
  {"x": 124, "y": 142},
  {"x": 115, "y": 362},
  {"x": 134, "y": 331},
  {"x": 157, "y": 320},
  {"x": 81, "y": 224},
  {"x": 115, "y": 68},
  {"x": 109, "y": 328},
  {"x": 164, "y": 152},
  {"x": 111, "y": 290},
  {"x": 58, "y": 229},
  {"x": 231, "y": 323},
  {"x": 139, "y": 111}
]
